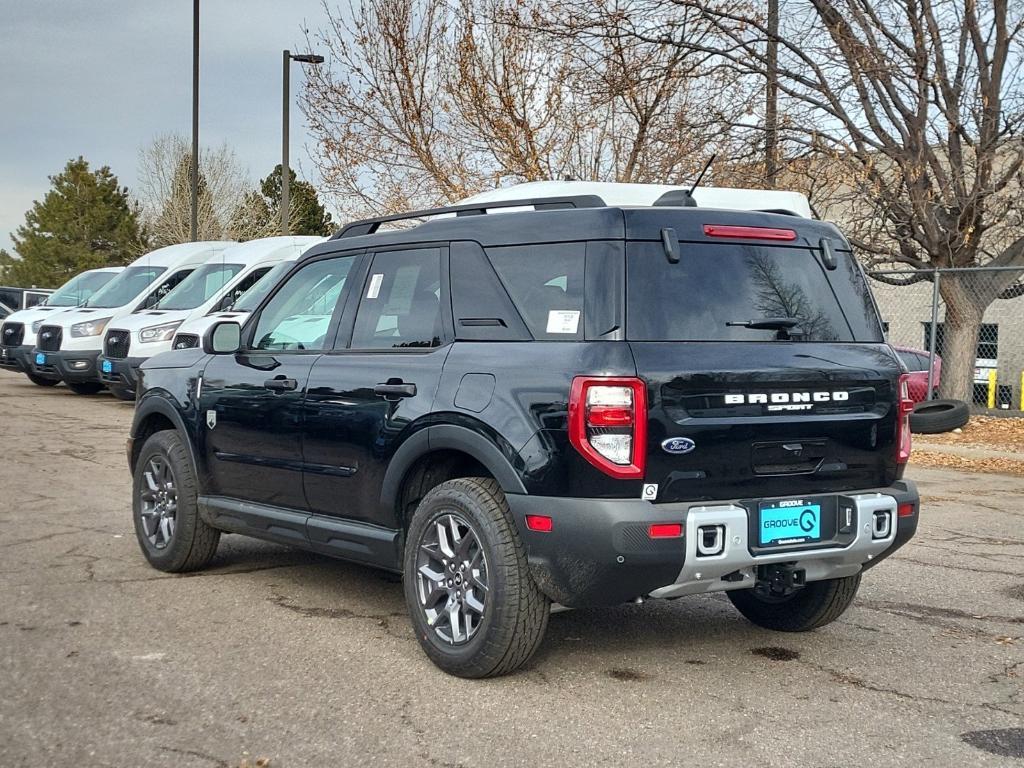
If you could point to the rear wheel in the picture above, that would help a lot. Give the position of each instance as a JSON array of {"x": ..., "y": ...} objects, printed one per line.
[
  {"x": 85, "y": 387},
  {"x": 41, "y": 381},
  {"x": 165, "y": 508},
  {"x": 812, "y": 606},
  {"x": 475, "y": 607}
]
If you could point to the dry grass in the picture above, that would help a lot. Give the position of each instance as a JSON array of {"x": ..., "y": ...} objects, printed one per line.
[{"x": 998, "y": 465}]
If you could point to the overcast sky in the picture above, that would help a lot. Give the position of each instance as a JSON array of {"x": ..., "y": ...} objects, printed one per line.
[{"x": 101, "y": 78}]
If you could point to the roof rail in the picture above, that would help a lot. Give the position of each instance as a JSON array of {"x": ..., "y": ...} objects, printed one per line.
[{"x": 369, "y": 226}]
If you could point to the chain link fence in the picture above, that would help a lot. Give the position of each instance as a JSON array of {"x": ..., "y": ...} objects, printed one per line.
[{"x": 930, "y": 317}]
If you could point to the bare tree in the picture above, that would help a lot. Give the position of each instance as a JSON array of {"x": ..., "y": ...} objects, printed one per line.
[
  {"x": 426, "y": 102},
  {"x": 164, "y": 190},
  {"x": 904, "y": 118}
]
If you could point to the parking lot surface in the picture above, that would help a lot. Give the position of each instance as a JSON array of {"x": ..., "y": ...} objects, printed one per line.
[{"x": 274, "y": 653}]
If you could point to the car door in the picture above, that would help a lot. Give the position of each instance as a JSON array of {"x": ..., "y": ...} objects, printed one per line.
[
  {"x": 251, "y": 401},
  {"x": 364, "y": 395}
]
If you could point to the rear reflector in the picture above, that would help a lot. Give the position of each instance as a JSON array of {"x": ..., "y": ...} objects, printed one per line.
[
  {"x": 665, "y": 530},
  {"x": 905, "y": 510},
  {"x": 540, "y": 523},
  {"x": 749, "y": 233}
]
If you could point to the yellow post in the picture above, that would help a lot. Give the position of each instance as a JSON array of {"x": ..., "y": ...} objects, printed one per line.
[
  {"x": 991, "y": 389},
  {"x": 1022, "y": 390}
]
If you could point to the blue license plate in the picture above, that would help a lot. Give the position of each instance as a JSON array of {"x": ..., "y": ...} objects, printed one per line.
[
  {"x": 40, "y": 358},
  {"x": 797, "y": 521},
  {"x": 107, "y": 367}
]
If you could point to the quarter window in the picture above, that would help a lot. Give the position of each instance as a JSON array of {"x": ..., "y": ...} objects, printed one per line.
[{"x": 546, "y": 284}]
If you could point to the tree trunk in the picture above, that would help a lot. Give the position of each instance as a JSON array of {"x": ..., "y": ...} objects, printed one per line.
[{"x": 964, "y": 312}]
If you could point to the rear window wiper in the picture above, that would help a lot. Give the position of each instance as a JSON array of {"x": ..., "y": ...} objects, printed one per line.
[{"x": 767, "y": 323}]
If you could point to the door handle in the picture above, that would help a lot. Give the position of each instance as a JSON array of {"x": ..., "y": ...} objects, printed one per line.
[
  {"x": 281, "y": 384},
  {"x": 395, "y": 390}
]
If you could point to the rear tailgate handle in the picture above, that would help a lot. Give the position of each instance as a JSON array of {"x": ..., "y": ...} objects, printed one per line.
[
  {"x": 394, "y": 390},
  {"x": 281, "y": 384}
]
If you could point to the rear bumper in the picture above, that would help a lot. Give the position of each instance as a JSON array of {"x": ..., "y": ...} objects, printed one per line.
[
  {"x": 69, "y": 365},
  {"x": 123, "y": 372},
  {"x": 599, "y": 551}
]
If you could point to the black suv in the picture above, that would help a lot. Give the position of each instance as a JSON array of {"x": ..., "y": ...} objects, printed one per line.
[{"x": 575, "y": 404}]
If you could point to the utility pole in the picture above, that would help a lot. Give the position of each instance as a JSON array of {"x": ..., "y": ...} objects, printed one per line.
[
  {"x": 194, "y": 224},
  {"x": 771, "y": 107}
]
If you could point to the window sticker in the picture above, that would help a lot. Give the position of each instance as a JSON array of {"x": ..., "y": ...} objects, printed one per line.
[
  {"x": 374, "y": 290},
  {"x": 563, "y": 321}
]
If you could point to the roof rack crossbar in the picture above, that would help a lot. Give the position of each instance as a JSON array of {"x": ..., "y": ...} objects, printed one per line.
[{"x": 370, "y": 226}]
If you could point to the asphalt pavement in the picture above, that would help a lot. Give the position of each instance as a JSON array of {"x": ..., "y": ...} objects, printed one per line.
[{"x": 305, "y": 661}]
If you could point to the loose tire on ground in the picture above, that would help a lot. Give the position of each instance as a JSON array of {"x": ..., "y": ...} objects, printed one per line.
[
  {"x": 85, "y": 387},
  {"x": 815, "y": 605},
  {"x": 515, "y": 613},
  {"x": 193, "y": 543},
  {"x": 41, "y": 381},
  {"x": 934, "y": 416}
]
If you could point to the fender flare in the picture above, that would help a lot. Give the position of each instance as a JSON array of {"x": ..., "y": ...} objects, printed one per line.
[
  {"x": 157, "y": 405},
  {"x": 441, "y": 437}
]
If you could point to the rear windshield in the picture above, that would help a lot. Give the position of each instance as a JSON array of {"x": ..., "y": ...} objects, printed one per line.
[
  {"x": 199, "y": 286},
  {"x": 125, "y": 287},
  {"x": 717, "y": 291},
  {"x": 78, "y": 289}
]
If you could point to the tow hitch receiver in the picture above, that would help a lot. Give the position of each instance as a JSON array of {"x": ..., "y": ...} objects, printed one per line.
[{"x": 780, "y": 579}]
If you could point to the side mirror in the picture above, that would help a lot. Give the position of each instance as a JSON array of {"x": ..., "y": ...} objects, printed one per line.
[{"x": 223, "y": 338}]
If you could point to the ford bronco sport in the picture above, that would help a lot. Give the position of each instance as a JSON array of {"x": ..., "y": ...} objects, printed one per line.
[{"x": 578, "y": 404}]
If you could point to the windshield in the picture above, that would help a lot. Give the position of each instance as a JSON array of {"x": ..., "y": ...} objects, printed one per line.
[
  {"x": 200, "y": 286},
  {"x": 77, "y": 290},
  {"x": 736, "y": 292},
  {"x": 252, "y": 298},
  {"x": 125, "y": 287}
]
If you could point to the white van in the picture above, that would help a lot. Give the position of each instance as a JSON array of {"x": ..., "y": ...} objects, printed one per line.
[
  {"x": 190, "y": 333},
  {"x": 18, "y": 332},
  {"x": 67, "y": 346},
  {"x": 132, "y": 339}
]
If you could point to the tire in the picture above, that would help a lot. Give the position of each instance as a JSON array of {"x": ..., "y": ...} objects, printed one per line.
[
  {"x": 187, "y": 543},
  {"x": 121, "y": 393},
  {"x": 513, "y": 613},
  {"x": 934, "y": 416},
  {"x": 812, "y": 606},
  {"x": 85, "y": 387},
  {"x": 41, "y": 381}
]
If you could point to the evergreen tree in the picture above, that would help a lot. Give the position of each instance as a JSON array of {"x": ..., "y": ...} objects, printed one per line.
[
  {"x": 85, "y": 221},
  {"x": 259, "y": 214}
]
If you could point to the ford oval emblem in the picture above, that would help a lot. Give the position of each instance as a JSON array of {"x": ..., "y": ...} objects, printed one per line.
[{"x": 678, "y": 445}]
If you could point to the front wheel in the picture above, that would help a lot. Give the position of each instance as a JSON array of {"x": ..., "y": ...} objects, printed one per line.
[
  {"x": 475, "y": 607},
  {"x": 121, "y": 393},
  {"x": 165, "y": 508},
  {"x": 42, "y": 381},
  {"x": 812, "y": 606},
  {"x": 85, "y": 387}
]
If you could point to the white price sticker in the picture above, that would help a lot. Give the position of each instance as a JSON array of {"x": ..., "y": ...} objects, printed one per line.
[
  {"x": 374, "y": 290},
  {"x": 563, "y": 321}
]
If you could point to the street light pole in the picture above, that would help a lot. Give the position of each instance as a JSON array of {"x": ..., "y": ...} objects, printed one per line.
[
  {"x": 771, "y": 110},
  {"x": 194, "y": 180},
  {"x": 303, "y": 58}
]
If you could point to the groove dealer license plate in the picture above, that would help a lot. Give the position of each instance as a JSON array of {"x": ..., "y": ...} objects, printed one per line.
[{"x": 794, "y": 521}]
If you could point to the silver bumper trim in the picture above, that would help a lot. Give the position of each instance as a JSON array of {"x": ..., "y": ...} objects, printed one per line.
[{"x": 704, "y": 573}]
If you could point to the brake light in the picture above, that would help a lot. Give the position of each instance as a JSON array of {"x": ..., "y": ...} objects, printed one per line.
[
  {"x": 749, "y": 233},
  {"x": 905, "y": 407},
  {"x": 608, "y": 423}
]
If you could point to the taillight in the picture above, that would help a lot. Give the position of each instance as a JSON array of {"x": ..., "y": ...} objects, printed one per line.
[
  {"x": 608, "y": 423},
  {"x": 749, "y": 233},
  {"x": 905, "y": 406}
]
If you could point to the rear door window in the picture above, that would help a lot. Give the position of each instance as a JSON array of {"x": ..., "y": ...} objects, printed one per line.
[
  {"x": 717, "y": 289},
  {"x": 545, "y": 282},
  {"x": 401, "y": 302}
]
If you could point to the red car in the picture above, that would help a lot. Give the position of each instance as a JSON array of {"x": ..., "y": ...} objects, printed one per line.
[{"x": 916, "y": 361}]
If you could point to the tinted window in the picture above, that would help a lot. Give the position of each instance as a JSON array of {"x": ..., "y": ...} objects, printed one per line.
[
  {"x": 546, "y": 284},
  {"x": 252, "y": 297},
  {"x": 200, "y": 286},
  {"x": 125, "y": 287},
  {"x": 715, "y": 288},
  {"x": 79, "y": 289},
  {"x": 299, "y": 315},
  {"x": 400, "y": 306}
]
